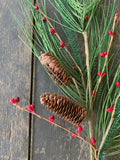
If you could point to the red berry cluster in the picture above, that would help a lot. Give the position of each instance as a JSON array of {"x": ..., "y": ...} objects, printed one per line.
[
  {"x": 62, "y": 44},
  {"x": 31, "y": 108},
  {"x": 93, "y": 141},
  {"x": 104, "y": 54},
  {"x": 14, "y": 101},
  {"x": 52, "y": 30},
  {"x": 51, "y": 119},
  {"x": 111, "y": 109},
  {"x": 43, "y": 19},
  {"x": 73, "y": 67},
  {"x": 111, "y": 33},
  {"x": 36, "y": 8},
  {"x": 86, "y": 18},
  {"x": 99, "y": 74},
  {"x": 118, "y": 84},
  {"x": 115, "y": 19},
  {"x": 79, "y": 130},
  {"x": 113, "y": 106}
]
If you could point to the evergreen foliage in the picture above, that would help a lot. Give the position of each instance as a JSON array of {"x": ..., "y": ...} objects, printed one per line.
[{"x": 101, "y": 13}]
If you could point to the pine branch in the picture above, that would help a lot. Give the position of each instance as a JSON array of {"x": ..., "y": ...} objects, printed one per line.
[{"x": 83, "y": 81}]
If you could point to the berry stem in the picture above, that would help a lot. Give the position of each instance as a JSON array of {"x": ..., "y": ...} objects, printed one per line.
[
  {"x": 56, "y": 124},
  {"x": 110, "y": 44},
  {"x": 109, "y": 126}
]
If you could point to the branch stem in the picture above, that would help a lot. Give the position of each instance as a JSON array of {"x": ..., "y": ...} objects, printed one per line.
[
  {"x": 85, "y": 35},
  {"x": 91, "y": 112}
]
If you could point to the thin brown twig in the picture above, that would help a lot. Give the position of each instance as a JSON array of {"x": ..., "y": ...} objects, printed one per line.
[
  {"x": 82, "y": 77},
  {"x": 110, "y": 44},
  {"x": 56, "y": 124}
]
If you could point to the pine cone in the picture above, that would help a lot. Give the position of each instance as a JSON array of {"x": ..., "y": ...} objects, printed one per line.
[
  {"x": 64, "y": 107},
  {"x": 55, "y": 69}
]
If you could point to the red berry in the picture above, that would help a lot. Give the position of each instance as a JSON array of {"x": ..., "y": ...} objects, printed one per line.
[
  {"x": 102, "y": 55},
  {"x": 11, "y": 100},
  {"x": 51, "y": 119},
  {"x": 92, "y": 141},
  {"x": 73, "y": 135},
  {"x": 86, "y": 18},
  {"x": 117, "y": 15},
  {"x": 93, "y": 92},
  {"x": 62, "y": 44},
  {"x": 52, "y": 30},
  {"x": 79, "y": 129},
  {"x": 110, "y": 32},
  {"x": 73, "y": 67},
  {"x": 99, "y": 73},
  {"x": 43, "y": 19},
  {"x": 36, "y": 7},
  {"x": 105, "y": 53},
  {"x": 31, "y": 108},
  {"x": 113, "y": 106},
  {"x": 113, "y": 34},
  {"x": 118, "y": 84},
  {"x": 109, "y": 109},
  {"x": 104, "y": 74},
  {"x": 17, "y": 99}
]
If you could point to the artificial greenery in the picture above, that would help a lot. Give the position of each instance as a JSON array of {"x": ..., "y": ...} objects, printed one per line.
[{"x": 94, "y": 92}]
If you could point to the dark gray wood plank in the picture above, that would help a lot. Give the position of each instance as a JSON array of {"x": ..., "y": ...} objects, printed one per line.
[
  {"x": 15, "y": 73},
  {"x": 50, "y": 142}
]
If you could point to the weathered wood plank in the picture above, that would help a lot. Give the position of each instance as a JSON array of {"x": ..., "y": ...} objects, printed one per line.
[
  {"x": 50, "y": 142},
  {"x": 15, "y": 73}
]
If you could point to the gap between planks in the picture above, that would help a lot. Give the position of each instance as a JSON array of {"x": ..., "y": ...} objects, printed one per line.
[{"x": 32, "y": 98}]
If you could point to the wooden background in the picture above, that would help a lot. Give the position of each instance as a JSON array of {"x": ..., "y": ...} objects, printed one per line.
[{"x": 22, "y": 136}]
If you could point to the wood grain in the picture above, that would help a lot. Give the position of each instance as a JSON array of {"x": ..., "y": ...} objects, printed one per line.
[{"x": 15, "y": 73}]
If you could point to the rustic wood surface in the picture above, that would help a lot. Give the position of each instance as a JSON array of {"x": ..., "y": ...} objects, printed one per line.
[
  {"x": 15, "y": 73},
  {"x": 22, "y": 136}
]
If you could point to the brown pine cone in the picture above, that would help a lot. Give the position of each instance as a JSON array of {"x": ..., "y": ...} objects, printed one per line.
[
  {"x": 64, "y": 107},
  {"x": 55, "y": 69}
]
